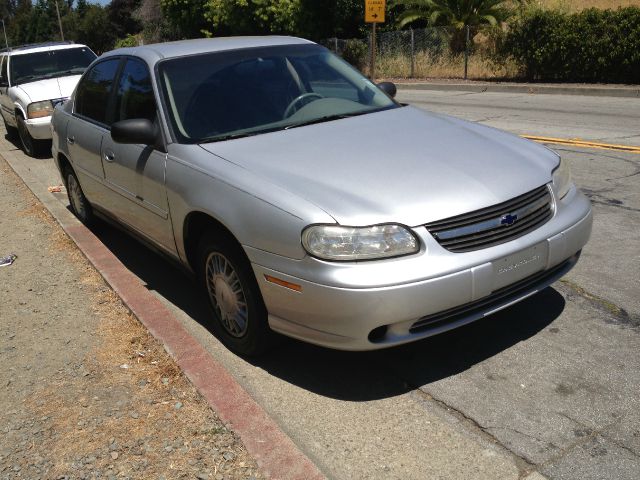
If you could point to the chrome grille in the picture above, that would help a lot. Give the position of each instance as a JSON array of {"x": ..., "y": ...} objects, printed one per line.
[{"x": 494, "y": 225}]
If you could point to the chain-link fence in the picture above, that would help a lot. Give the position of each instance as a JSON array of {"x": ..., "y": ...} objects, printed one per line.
[{"x": 439, "y": 52}]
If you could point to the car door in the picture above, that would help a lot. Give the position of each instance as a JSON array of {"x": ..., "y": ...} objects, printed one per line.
[
  {"x": 88, "y": 126},
  {"x": 136, "y": 172},
  {"x": 6, "y": 105}
]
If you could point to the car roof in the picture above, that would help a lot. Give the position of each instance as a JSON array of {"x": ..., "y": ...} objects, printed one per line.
[
  {"x": 155, "y": 52},
  {"x": 41, "y": 47}
]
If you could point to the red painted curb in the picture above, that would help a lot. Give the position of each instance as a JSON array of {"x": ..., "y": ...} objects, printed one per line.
[{"x": 277, "y": 456}]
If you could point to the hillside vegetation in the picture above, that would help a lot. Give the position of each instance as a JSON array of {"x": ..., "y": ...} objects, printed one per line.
[{"x": 578, "y": 5}]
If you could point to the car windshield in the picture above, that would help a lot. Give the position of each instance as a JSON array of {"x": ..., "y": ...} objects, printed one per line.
[
  {"x": 30, "y": 67},
  {"x": 223, "y": 95}
]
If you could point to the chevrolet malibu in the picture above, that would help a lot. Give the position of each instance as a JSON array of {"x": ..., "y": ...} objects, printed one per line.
[{"x": 306, "y": 200}]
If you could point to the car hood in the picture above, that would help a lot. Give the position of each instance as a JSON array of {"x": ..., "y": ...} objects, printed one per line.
[
  {"x": 402, "y": 165},
  {"x": 50, "y": 88}
]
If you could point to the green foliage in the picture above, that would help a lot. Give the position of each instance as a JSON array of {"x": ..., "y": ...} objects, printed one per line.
[
  {"x": 355, "y": 52},
  {"x": 328, "y": 19},
  {"x": 186, "y": 16},
  {"x": 454, "y": 13},
  {"x": 252, "y": 17},
  {"x": 307, "y": 18},
  {"x": 86, "y": 25},
  {"x": 458, "y": 14},
  {"x": 122, "y": 18},
  {"x": 590, "y": 46},
  {"x": 128, "y": 41}
]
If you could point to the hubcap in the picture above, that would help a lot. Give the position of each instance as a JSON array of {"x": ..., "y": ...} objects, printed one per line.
[
  {"x": 227, "y": 295},
  {"x": 75, "y": 196}
]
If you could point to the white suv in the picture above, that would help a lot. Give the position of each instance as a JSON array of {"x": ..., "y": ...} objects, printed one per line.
[{"x": 33, "y": 80}]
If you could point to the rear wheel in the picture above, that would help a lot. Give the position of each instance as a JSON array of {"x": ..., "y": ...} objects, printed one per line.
[
  {"x": 239, "y": 313},
  {"x": 80, "y": 206}
]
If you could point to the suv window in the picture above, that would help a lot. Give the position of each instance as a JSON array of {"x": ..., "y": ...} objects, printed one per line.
[
  {"x": 29, "y": 67},
  {"x": 134, "y": 96},
  {"x": 94, "y": 90}
]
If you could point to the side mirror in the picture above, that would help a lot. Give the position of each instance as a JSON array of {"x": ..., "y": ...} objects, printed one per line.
[
  {"x": 389, "y": 88},
  {"x": 135, "y": 131}
]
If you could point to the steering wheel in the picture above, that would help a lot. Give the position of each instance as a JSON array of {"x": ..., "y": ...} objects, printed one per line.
[{"x": 290, "y": 108}]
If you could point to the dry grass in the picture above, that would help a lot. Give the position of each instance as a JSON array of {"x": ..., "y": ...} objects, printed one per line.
[
  {"x": 444, "y": 66},
  {"x": 578, "y": 5},
  {"x": 138, "y": 420},
  {"x": 132, "y": 401},
  {"x": 480, "y": 67}
]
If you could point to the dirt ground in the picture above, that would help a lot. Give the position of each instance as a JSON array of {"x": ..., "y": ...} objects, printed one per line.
[{"x": 86, "y": 391}]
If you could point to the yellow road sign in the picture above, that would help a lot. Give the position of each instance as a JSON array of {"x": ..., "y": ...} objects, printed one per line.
[{"x": 374, "y": 11}]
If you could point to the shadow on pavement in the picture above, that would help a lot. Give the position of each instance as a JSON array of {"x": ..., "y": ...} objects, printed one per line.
[
  {"x": 352, "y": 376},
  {"x": 44, "y": 148}
]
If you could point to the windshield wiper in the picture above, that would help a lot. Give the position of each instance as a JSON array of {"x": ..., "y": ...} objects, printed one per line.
[
  {"x": 222, "y": 138},
  {"x": 326, "y": 118},
  {"x": 72, "y": 71},
  {"x": 27, "y": 79},
  {"x": 233, "y": 136}
]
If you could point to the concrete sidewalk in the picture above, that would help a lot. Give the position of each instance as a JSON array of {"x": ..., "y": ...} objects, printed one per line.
[
  {"x": 597, "y": 90},
  {"x": 86, "y": 391},
  {"x": 237, "y": 440}
]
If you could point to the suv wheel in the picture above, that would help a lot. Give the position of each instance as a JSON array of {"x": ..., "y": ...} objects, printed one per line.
[{"x": 30, "y": 146}]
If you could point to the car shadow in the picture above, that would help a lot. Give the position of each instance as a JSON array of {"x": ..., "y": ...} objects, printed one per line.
[
  {"x": 44, "y": 149},
  {"x": 352, "y": 376}
]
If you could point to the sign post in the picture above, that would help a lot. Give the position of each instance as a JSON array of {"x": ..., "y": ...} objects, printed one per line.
[{"x": 373, "y": 13}]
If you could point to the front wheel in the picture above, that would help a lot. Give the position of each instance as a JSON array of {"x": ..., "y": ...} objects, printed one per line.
[
  {"x": 239, "y": 313},
  {"x": 30, "y": 146}
]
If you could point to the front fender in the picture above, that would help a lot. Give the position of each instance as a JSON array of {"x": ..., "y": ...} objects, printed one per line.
[
  {"x": 269, "y": 223},
  {"x": 19, "y": 109}
]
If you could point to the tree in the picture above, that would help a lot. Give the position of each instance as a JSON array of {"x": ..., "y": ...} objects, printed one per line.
[
  {"x": 121, "y": 17},
  {"x": 91, "y": 29},
  {"x": 454, "y": 13},
  {"x": 337, "y": 18},
  {"x": 186, "y": 16},
  {"x": 252, "y": 17}
]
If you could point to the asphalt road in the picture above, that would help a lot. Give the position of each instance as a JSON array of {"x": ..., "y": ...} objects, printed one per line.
[
  {"x": 606, "y": 119},
  {"x": 550, "y": 385}
]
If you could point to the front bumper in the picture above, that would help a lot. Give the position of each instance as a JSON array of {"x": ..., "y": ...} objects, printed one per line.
[
  {"x": 39, "y": 128},
  {"x": 371, "y": 305}
]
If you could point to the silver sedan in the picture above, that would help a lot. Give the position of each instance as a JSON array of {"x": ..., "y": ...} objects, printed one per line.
[{"x": 306, "y": 200}]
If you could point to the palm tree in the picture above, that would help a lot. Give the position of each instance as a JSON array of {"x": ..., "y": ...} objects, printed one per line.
[{"x": 454, "y": 13}]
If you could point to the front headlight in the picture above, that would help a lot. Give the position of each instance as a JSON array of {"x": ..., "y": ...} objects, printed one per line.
[
  {"x": 561, "y": 179},
  {"x": 333, "y": 242},
  {"x": 40, "y": 109}
]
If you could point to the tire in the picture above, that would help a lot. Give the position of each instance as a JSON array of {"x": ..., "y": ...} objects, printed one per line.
[
  {"x": 239, "y": 313},
  {"x": 30, "y": 146},
  {"x": 80, "y": 206}
]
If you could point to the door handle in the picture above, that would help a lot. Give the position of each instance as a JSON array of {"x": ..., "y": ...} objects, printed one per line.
[
  {"x": 71, "y": 140},
  {"x": 109, "y": 156}
]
